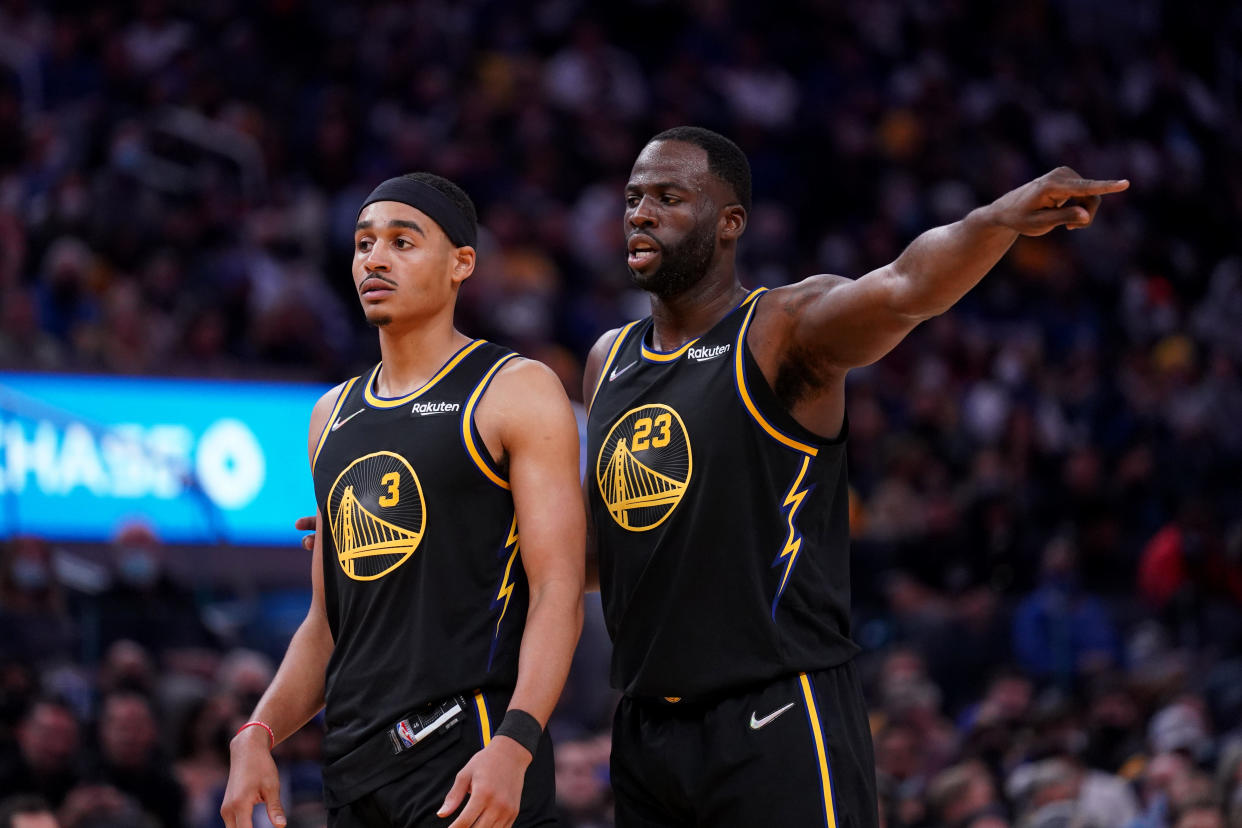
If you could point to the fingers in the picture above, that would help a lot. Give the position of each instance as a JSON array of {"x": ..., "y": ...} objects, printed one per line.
[
  {"x": 309, "y": 523},
  {"x": 461, "y": 786},
  {"x": 1064, "y": 183},
  {"x": 237, "y": 815},
  {"x": 271, "y": 797},
  {"x": 467, "y": 818},
  {"x": 1090, "y": 187}
]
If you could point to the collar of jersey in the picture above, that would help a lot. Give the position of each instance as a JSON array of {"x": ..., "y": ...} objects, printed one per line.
[
  {"x": 652, "y": 355},
  {"x": 376, "y": 401}
]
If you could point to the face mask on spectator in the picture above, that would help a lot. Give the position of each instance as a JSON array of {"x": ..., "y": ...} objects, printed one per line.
[{"x": 138, "y": 568}]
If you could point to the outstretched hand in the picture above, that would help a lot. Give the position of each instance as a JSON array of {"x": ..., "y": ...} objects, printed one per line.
[
  {"x": 307, "y": 524},
  {"x": 1062, "y": 197}
]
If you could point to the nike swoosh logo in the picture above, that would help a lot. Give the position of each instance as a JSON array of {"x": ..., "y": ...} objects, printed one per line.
[
  {"x": 755, "y": 724},
  {"x": 339, "y": 422},
  {"x": 616, "y": 372}
]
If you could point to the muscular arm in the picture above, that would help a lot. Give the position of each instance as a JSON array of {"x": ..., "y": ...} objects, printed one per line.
[
  {"x": 540, "y": 437},
  {"x": 295, "y": 694},
  {"x": 527, "y": 413},
  {"x": 590, "y": 378},
  {"x": 837, "y": 324}
]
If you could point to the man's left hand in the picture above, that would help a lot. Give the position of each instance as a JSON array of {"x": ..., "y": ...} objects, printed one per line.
[{"x": 493, "y": 778}]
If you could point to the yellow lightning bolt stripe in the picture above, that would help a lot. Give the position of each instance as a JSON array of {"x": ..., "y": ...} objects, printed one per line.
[
  {"x": 793, "y": 541},
  {"x": 506, "y": 587}
]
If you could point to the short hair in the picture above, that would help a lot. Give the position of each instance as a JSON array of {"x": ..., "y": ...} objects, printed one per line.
[
  {"x": 450, "y": 191},
  {"x": 724, "y": 158}
]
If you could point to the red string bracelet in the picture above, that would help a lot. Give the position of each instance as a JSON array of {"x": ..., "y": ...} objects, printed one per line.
[{"x": 256, "y": 723}]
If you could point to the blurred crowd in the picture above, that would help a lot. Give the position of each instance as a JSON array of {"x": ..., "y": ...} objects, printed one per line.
[{"x": 1046, "y": 495}]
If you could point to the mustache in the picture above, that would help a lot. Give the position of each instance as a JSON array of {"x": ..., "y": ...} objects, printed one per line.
[{"x": 377, "y": 277}]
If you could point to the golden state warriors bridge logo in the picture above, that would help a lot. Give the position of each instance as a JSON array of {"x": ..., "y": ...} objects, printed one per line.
[
  {"x": 644, "y": 467},
  {"x": 377, "y": 514}
]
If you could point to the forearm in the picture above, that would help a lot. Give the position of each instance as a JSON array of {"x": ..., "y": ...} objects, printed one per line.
[
  {"x": 297, "y": 692},
  {"x": 553, "y": 625},
  {"x": 944, "y": 263}
]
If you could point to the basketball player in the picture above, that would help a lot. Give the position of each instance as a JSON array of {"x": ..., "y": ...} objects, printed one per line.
[
  {"x": 447, "y": 580},
  {"x": 717, "y": 492}
]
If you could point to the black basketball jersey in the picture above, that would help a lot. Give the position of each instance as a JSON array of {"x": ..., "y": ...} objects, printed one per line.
[
  {"x": 426, "y": 595},
  {"x": 722, "y": 524}
]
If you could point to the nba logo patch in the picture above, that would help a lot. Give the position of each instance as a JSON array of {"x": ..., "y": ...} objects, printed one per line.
[{"x": 405, "y": 734}]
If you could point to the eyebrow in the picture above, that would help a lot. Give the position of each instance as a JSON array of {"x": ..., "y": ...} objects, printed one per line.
[
  {"x": 409, "y": 225},
  {"x": 658, "y": 185}
]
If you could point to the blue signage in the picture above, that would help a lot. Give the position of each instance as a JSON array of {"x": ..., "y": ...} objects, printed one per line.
[{"x": 201, "y": 461}]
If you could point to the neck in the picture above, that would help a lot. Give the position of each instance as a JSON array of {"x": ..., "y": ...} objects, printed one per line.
[
  {"x": 412, "y": 356},
  {"x": 686, "y": 316}
]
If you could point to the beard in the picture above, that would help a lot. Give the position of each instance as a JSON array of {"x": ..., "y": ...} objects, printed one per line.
[
  {"x": 682, "y": 266},
  {"x": 379, "y": 321}
]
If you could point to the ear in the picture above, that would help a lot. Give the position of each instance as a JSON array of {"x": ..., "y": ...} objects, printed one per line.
[
  {"x": 732, "y": 222},
  {"x": 463, "y": 264}
]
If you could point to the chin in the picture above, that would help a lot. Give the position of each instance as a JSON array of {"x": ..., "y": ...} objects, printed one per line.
[{"x": 379, "y": 320}]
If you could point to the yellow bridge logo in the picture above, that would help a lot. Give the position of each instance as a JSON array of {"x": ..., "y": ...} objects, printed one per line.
[
  {"x": 377, "y": 515},
  {"x": 644, "y": 466}
]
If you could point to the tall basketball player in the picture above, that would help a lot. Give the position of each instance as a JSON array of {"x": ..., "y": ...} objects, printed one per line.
[
  {"x": 447, "y": 580},
  {"x": 718, "y": 504}
]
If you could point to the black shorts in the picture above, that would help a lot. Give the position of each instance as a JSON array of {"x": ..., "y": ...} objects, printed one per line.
[
  {"x": 794, "y": 753},
  {"x": 411, "y": 800}
]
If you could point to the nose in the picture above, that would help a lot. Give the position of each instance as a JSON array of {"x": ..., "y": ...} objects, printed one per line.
[
  {"x": 376, "y": 260},
  {"x": 641, "y": 214}
]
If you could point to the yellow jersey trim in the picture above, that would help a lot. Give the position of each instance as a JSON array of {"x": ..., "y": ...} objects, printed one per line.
[
  {"x": 662, "y": 356},
  {"x": 612, "y": 356},
  {"x": 485, "y": 725},
  {"x": 739, "y": 373},
  {"x": 467, "y": 418},
  {"x": 386, "y": 402},
  {"x": 327, "y": 427},
  {"x": 825, "y": 774}
]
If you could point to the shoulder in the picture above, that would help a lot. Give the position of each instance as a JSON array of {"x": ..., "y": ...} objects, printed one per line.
[
  {"x": 525, "y": 395},
  {"x": 781, "y": 311},
  {"x": 521, "y": 378},
  {"x": 322, "y": 412},
  {"x": 596, "y": 358},
  {"x": 789, "y": 298}
]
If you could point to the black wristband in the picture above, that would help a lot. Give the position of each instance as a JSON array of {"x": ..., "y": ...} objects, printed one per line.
[{"x": 522, "y": 728}]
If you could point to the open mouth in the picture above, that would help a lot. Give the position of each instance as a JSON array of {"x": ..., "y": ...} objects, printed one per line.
[{"x": 643, "y": 250}]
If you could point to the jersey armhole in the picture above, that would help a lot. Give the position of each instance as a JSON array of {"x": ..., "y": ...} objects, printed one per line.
[
  {"x": 612, "y": 357},
  {"x": 327, "y": 426},
  {"x": 809, "y": 444},
  {"x": 471, "y": 439}
]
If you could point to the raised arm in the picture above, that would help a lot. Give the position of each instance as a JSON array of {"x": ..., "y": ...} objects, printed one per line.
[
  {"x": 295, "y": 694},
  {"x": 527, "y": 409},
  {"x": 836, "y": 323}
]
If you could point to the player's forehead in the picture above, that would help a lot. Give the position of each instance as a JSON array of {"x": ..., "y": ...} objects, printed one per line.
[
  {"x": 671, "y": 162},
  {"x": 384, "y": 215}
]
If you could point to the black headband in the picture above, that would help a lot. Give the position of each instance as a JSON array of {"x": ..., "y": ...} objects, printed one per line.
[{"x": 439, "y": 208}]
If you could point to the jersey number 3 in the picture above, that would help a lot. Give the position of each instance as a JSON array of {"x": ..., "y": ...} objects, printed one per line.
[{"x": 393, "y": 481}]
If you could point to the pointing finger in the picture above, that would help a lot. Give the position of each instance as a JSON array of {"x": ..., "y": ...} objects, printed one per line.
[{"x": 1087, "y": 187}]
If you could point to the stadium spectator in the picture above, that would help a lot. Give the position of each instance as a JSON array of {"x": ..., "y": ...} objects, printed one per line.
[
  {"x": 130, "y": 759},
  {"x": 47, "y": 758}
]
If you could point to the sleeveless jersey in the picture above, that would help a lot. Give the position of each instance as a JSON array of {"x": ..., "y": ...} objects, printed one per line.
[
  {"x": 425, "y": 592},
  {"x": 722, "y": 524}
]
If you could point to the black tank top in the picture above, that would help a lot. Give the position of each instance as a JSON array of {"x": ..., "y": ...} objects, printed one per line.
[
  {"x": 722, "y": 524},
  {"x": 426, "y": 596}
]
